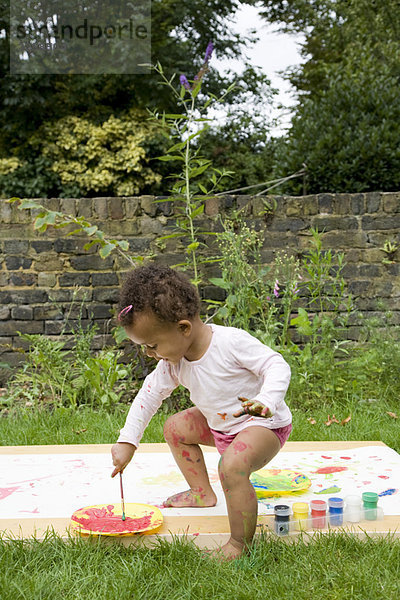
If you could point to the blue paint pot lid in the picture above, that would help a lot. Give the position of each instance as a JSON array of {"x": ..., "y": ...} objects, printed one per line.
[{"x": 335, "y": 502}]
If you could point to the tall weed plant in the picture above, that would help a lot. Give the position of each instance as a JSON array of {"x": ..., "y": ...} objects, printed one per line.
[
  {"x": 55, "y": 375},
  {"x": 259, "y": 298},
  {"x": 301, "y": 307}
]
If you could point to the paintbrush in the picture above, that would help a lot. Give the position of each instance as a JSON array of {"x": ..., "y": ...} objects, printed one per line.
[{"x": 122, "y": 496}]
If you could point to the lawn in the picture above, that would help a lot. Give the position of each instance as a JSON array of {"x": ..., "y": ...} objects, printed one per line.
[
  {"x": 332, "y": 567},
  {"x": 62, "y": 425}
]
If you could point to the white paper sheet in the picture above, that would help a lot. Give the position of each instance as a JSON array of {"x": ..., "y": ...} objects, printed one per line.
[{"x": 49, "y": 486}]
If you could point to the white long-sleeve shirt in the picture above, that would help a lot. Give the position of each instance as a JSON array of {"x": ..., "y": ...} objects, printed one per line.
[{"x": 235, "y": 364}]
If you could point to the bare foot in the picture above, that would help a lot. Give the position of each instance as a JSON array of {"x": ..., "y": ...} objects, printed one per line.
[
  {"x": 191, "y": 498},
  {"x": 229, "y": 551}
]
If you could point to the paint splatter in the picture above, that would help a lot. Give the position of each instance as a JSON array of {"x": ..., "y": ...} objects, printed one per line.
[
  {"x": 388, "y": 492},
  {"x": 4, "y": 492},
  {"x": 222, "y": 415},
  {"x": 168, "y": 478},
  {"x": 334, "y": 489},
  {"x": 329, "y": 470},
  {"x": 383, "y": 476},
  {"x": 279, "y": 481},
  {"x": 346, "y": 457},
  {"x": 327, "y": 457}
]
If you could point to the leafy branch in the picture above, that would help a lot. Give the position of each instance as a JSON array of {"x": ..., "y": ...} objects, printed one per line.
[{"x": 58, "y": 220}]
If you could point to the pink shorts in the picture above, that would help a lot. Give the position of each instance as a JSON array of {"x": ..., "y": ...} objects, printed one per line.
[{"x": 222, "y": 440}]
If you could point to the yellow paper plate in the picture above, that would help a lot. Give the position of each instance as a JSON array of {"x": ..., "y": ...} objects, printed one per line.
[
  {"x": 278, "y": 482},
  {"x": 106, "y": 519}
]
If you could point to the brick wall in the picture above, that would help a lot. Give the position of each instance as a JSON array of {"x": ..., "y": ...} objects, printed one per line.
[{"x": 45, "y": 277}]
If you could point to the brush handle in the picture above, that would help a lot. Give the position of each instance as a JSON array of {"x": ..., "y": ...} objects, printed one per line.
[{"x": 122, "y": 496}]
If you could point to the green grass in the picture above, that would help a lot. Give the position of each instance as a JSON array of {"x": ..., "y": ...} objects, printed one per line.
[
  {"x": 333, "y": 567},
  {"x": 19, "y": 427},
  {"x": 369, "y": 421}
]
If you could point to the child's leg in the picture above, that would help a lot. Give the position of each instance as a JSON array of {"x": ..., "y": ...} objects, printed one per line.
[
  {"x": 183, "y": 433},
  {"x": 251, "y": 449}
]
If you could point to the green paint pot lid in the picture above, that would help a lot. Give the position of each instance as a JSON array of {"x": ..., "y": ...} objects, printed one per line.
[{"x": 370, "y": 497}]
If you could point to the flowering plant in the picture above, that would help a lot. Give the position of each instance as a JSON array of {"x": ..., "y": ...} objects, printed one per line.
[{"x": 187, "y": 192}]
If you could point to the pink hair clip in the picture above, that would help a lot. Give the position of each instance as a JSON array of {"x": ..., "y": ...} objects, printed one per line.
[{"x": 125, "y": 311}]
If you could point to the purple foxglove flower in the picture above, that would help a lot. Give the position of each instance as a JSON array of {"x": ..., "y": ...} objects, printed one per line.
[
  {"x": 209, "y": 51},
  {"x": 183, "y": 80},
  {"x": 276, "y": 289}
]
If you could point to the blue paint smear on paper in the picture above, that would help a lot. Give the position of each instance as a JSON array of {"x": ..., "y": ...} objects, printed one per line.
[{"x": 388, "y": 492}]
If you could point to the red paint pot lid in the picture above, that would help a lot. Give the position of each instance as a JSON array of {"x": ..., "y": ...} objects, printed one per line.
[{"x": 319, "y": 505}]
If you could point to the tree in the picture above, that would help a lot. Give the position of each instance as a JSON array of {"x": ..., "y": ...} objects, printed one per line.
[
  {"x": 180, "y": 32},
  {"x": 346, "y": 125}
]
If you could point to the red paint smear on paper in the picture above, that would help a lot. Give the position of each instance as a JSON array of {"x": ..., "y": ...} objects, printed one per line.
[
  {"x": 4, "y": 492},
  {"x": 327, "y": 457},
  {"x": 36, "y": 511},
  {"x": 329, "y": 470},
  {"x": 104, "y": 520},
  {"x": 346, "y": 457},
  {"x": 383, "y": 476},
  {"x": 37, "y": 478}
]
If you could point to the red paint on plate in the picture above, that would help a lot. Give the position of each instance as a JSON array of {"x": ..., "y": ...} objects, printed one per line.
[{"x": 103, "y": 519}]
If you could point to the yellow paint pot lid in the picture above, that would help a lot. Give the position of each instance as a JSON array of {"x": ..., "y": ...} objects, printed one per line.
[{"x": 300, "y": 508}]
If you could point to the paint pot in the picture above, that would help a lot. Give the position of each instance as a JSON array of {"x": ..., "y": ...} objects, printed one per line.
[
  {"x": 373, "y": 514},
  {"x": 318, "y": 513},
  {"x": 300, "y": 515},
  {"x": 370, "y": 502},
  {"x": 353, "y": 512},
  {"x": 282, "y": 513},
  {"x": 335, "y": 511}
]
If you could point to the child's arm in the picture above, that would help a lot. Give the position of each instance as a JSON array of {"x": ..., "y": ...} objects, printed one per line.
[{"x": 157, "y": 386}]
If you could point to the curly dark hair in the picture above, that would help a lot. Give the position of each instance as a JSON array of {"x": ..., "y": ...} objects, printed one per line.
[{"x": 167, "y": 293}]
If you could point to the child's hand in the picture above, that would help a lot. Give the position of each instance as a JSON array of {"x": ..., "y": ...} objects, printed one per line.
[
  {"x": 253, "y": 407},
  {"x": 122, "y": 453}
]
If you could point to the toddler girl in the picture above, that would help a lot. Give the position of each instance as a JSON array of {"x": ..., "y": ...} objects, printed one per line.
[{"x": 221, "y": 367}]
